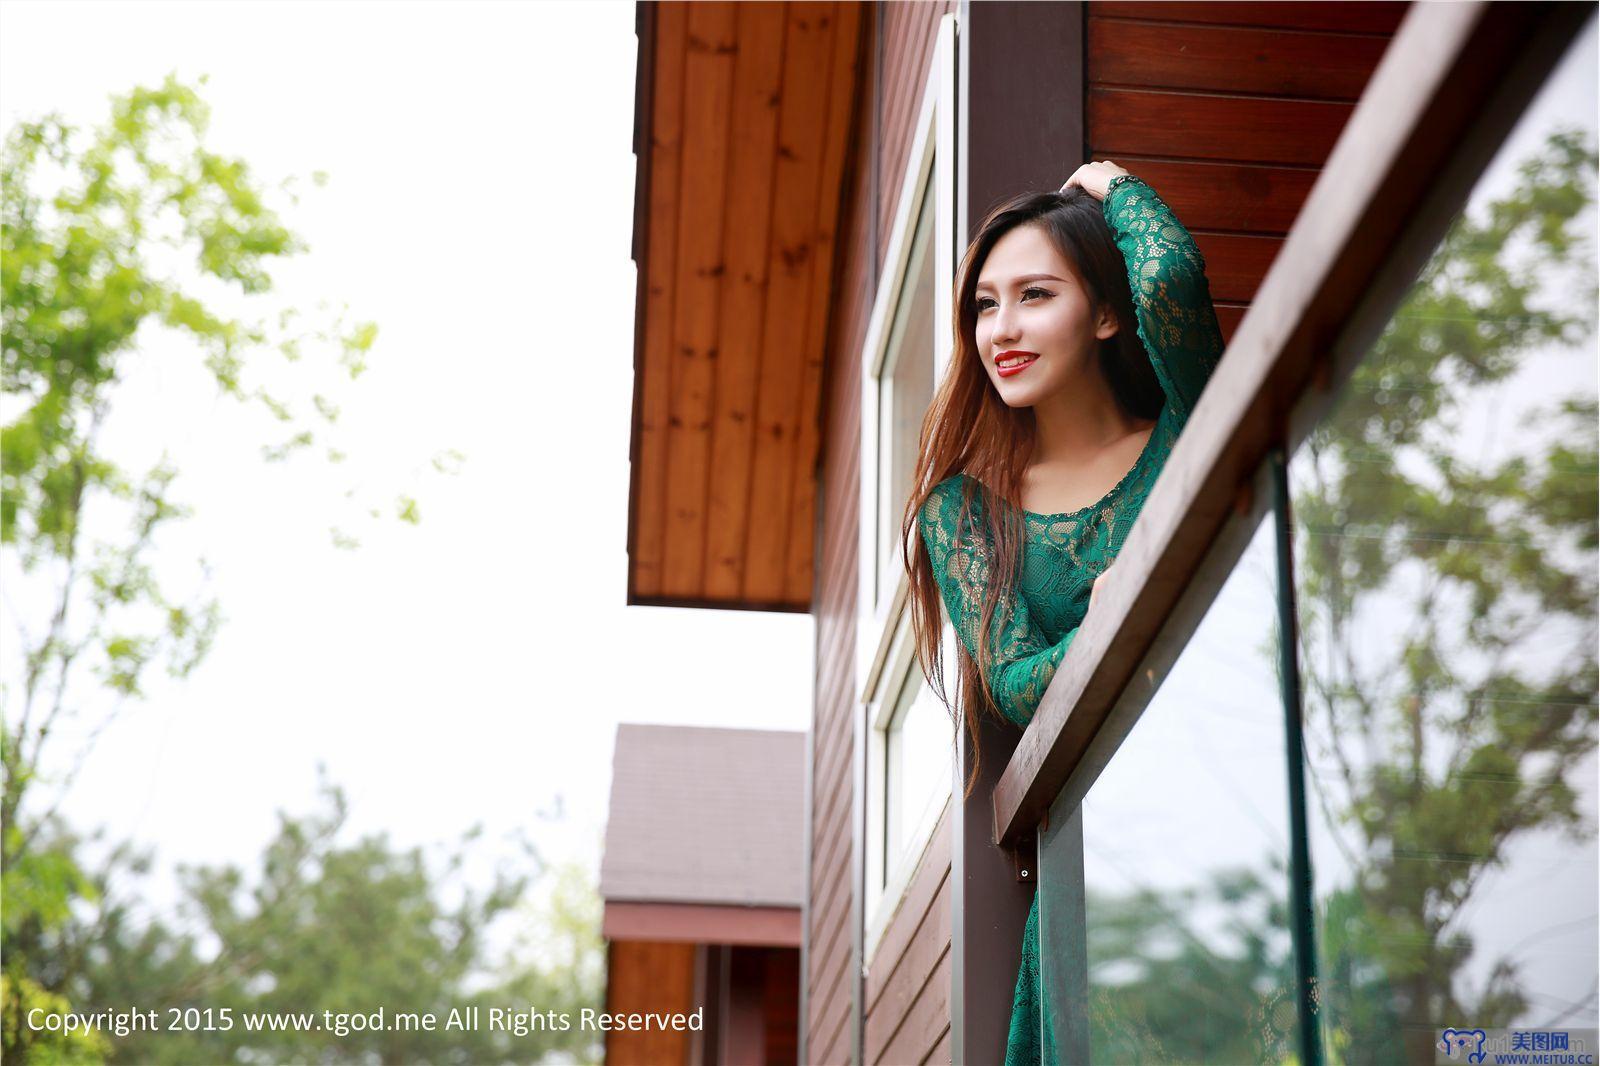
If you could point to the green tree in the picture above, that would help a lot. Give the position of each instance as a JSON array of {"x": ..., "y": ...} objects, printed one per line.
[
  {"x": 1461, "y": 732},
  {"x": 325, "y": 923},
  {"x": 1163, "y": 990},
  {"x": 133, "y": 239}
]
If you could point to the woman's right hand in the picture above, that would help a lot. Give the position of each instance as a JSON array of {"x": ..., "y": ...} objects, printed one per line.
[{"x": 1094, "y": 178}]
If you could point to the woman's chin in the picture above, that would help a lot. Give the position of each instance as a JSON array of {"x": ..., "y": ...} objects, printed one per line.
[{"x": 1020, "y": 397}]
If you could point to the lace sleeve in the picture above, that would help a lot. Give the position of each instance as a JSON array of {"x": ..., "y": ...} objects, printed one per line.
[
  {"x": 1023, "y": 661},
  {"x": 1171, "y": 297}
]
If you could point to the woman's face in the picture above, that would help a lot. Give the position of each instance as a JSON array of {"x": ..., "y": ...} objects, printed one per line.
[{"x": 1037, "y": 331}]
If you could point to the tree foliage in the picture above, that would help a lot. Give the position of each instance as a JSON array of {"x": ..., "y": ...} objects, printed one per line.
[
  {"x": 325, "y": 923},
  {"x": 1461, "y": 729},
  {"x": 129, "y": 243}
]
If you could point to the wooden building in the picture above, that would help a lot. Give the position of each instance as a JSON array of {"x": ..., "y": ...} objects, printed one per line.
[
  {"x": 702, "y": 881},
  {"x": 808, "y": 175}
]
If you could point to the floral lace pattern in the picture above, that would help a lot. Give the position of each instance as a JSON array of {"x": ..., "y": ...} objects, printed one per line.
[{"x": 1063, "y": 553}]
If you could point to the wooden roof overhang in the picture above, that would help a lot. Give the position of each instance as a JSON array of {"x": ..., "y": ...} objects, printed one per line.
[{"x": 742, "y": 125}]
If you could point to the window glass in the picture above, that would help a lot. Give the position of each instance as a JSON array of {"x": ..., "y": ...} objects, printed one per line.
[
  {"x": 907, "y": 389},
  {"x": 1182, "y": 893},
  {"x": 1445, "y": 519},
  {"x": 918, "y": 766}
]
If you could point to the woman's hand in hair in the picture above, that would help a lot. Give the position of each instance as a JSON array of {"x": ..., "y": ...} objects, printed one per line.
[{"x": 1094, "y": 178}]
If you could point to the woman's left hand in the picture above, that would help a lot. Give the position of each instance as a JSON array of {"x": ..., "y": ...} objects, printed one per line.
[
  {"x": 1094, "y": 178},
  {"x": 1094, "y": 590}
]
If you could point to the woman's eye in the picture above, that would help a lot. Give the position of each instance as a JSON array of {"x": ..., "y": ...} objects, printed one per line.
[
  {"x": 1037, "y": 292},
  {"x": 984, "y": 303}
]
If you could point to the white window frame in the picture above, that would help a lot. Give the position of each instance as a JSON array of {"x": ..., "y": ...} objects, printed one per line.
[{"x": 884, "y": 645}]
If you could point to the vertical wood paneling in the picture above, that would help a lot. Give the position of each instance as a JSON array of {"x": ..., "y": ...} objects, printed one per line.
[
  {"x": 803, "y": 476},
  {"x": 757, "y": 78},
  {"x": 665, "y": 148},
  {"x": 807, "y": 66},
  {"x": 735, "y": 236},
  {"x": 641, "y": 978},
  {"x": 707, "y": 108}
]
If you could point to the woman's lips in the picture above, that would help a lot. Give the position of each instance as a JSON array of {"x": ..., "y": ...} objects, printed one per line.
[{"x": 1010, "y": 371}]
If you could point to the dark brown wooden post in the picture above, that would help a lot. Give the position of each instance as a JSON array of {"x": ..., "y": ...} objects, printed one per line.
[{"x": 1020, "y": 126}]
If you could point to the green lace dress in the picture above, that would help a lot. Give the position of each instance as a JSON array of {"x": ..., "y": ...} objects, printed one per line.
[{"x": 1064, "y": 553}]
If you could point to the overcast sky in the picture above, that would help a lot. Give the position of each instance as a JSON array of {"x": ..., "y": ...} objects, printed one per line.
[{"x": 479, "y": 208}]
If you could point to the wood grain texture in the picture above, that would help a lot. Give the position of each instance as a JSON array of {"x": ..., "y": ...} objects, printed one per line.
[
  {"x": 1198, "y": 126},
  {"x": 743, "y": 292},
  {"x": 924, "y": 1018},
  {"x": 807, "y": 64},
  {"x": 648, "y": 977},
  {"x": 1233, "y": 59},
  {"x": 666, "y": 153},
  {"x": 707, "y": 111},
  {"x": 1374, "y": 17},
  {"x": 909, "y": 936},
  {"x": 801, "y": 548},
  {"x": 898, "y": 988},
  {"x": 913, "y": 28},
  {"x": 1236, "y": 263},
  {"x": 1223, "y": 196}
]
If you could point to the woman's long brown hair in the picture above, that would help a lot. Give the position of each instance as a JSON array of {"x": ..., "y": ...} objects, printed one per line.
[{"x": 969, "y": 429}]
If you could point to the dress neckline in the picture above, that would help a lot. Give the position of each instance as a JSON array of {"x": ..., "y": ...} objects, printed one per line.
[{"x": 1113, "y": 490}]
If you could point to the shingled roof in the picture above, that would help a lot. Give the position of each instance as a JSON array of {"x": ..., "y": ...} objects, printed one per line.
[{"x": 705, "y": 815}]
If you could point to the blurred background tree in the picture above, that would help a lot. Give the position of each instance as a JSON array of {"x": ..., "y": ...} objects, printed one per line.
[
  {"x": 134, "y": 240},
  {"x": 1442, "y": 747}
]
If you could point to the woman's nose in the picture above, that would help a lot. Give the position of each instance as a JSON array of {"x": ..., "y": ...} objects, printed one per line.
[{"x": 1005, "y": 325}]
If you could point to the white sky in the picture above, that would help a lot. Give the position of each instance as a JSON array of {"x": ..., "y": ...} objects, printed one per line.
[{"x": 479, "y": 208}]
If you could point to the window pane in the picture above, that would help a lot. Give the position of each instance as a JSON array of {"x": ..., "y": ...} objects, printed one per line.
[
  {"x": 908, "y": 381},
  {"x": 1445, "y": 552},
  {"x": 919, "y": 761},
  {"x": 1183, "y": 885}
]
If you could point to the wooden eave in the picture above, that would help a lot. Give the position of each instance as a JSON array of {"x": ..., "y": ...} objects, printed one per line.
[{"x": 742, "y": 126}]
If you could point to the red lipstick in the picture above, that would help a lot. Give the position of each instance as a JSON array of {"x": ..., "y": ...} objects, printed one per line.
[{"x": 1019, "y": 360}]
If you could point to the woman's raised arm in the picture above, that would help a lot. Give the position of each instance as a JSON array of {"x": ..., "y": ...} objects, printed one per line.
[
  {"x": 1171, "y": 297},
  {"x": 1166, "y": 274}
]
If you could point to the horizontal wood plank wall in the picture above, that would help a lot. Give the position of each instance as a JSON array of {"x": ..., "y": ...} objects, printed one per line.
[
  {"x": 1228, "y": 110},
  {"x": 907, "y": 1009},
  {"x": 901, "y": 55},
  {"x": 909, "y": 30},
  {"x": 828, "y": 935}
]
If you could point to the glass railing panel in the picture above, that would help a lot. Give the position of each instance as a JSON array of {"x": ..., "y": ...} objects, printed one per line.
[
  {"x": 1445, "y": 552},
  {"x": 1163, "y": 896}
]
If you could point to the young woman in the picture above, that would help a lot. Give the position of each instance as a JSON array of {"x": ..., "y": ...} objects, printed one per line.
[{"x": 1084, "y": 334}]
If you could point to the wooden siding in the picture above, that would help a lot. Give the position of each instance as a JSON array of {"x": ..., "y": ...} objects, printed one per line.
[
  {"x": 748, "y": 115},
  {"x": 1229, "y": 110},
  {"x": 648, "y": 977},
  {"x": 908, "y": 980},
  {"x": 901, "y": 57}
]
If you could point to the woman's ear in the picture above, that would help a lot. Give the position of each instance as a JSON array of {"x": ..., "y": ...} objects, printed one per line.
[{"x": 1106, "y": 324}]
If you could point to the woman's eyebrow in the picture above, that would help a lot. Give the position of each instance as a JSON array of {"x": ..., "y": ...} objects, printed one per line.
[{"x": 1025, "y": 278}]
